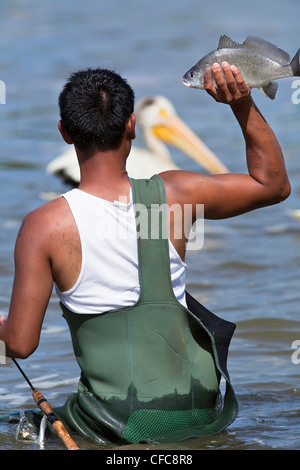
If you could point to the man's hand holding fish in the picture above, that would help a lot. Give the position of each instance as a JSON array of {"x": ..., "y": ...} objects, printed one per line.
[
  {"x": 266, "y": 183},
  {"x": 230, "y": 86}
]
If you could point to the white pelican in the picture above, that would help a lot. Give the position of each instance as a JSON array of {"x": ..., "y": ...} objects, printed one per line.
[{"x": 158, "y": 121}]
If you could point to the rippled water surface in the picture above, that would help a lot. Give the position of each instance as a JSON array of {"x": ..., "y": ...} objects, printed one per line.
[{"x": 248, "y": 270}]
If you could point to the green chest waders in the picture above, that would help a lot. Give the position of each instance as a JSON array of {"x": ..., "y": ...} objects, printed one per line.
[{"x": 150, "y": 372}]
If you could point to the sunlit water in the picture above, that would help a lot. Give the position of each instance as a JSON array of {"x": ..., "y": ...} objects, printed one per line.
[{"x": 248, "y": 270}]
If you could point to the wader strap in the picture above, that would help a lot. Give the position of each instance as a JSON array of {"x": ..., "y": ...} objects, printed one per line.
[
  {"x": 153, "y": 242},
  {"x": 155, "y": 280}
]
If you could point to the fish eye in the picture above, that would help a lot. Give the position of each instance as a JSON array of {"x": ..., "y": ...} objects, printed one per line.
[{"x": 192, "y": 74}]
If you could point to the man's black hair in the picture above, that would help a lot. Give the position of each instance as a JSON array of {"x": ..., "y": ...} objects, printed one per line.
[{"x": 95, "y": 105}]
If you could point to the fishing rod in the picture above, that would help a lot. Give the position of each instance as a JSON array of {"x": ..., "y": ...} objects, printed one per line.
[{"x": 44, "y": 405}]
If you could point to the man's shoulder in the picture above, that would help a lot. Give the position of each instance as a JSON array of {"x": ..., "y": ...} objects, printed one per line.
[
  {"x": 183, "y": 186},
  {"x": 48, "y": 215}
]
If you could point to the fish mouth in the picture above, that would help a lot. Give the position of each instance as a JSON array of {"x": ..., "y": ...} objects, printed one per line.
[
  {"x": 191, "y": 82},
  {"x": 185, "y": 82}
]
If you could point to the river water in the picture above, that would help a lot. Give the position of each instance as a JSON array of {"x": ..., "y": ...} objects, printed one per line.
[{"x": 248, "y": 269}]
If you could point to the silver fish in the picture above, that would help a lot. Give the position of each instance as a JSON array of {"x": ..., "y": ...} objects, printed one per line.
[{"x": 258, "y": 60}]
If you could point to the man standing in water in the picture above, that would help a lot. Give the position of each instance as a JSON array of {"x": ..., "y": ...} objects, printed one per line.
[{"x": 98, "y": 282}]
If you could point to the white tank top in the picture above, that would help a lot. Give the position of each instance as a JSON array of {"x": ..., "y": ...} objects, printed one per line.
[{"x": 109, "y": 277}]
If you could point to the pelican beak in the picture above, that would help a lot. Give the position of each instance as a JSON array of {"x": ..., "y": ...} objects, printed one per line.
[{"x": 174, "y": 131}]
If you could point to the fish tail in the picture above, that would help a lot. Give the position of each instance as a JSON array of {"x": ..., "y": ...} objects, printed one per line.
[{"x": 295, "y": 65}]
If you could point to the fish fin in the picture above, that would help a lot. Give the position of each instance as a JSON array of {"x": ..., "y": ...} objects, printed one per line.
[
  {"x": 267, "y": 48},
  {"x": 270, "y": 90},
  {"x": 227, "y": 42},
  {"x": 295, "y": 64}
]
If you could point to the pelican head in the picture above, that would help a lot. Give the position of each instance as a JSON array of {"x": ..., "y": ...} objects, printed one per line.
[{"x": 159, "y": 122}]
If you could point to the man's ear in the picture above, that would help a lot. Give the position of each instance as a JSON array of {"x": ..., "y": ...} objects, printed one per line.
[
  {"x": 130, "y": 127},
  {"x": 64, "y": 134}
]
